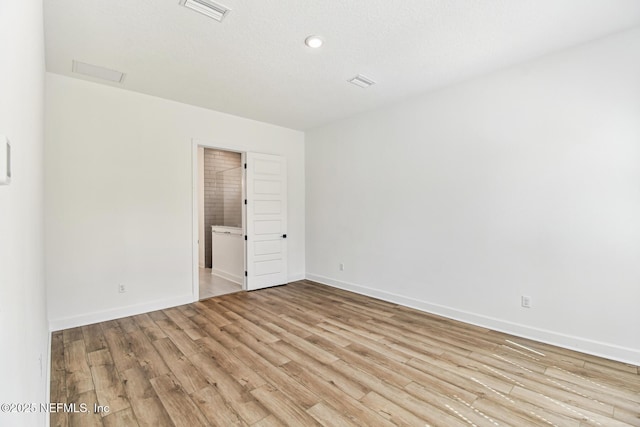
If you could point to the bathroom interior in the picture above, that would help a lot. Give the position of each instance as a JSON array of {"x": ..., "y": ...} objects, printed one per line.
[{"x": 221, "y": 236}]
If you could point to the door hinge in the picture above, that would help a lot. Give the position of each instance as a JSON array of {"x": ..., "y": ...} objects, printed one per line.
[
  {"x": 245, "y": 273},
  {"x": 245, "y": 165},
  {"x": 245, "y": 201},
  {"x": 245, "y": 237}
]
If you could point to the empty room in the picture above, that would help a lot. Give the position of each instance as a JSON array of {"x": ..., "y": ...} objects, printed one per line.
[{"x": 319, "y": 213}]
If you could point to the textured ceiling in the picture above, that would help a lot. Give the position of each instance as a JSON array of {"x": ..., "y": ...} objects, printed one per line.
[{"x": 255, "y": 63}]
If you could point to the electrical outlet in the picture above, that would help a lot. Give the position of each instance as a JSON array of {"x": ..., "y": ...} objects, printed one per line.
[
  {"x": 121, "y": 288},
  {"x": 341, "y": 267},
  {"x": 525, "y": 301}
]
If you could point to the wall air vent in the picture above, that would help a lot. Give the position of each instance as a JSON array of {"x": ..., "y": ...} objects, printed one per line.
[
  {"x": 97, "y": 72},
  {"x": 361, "y": 81},
  {"x": 207, "y": 7}
]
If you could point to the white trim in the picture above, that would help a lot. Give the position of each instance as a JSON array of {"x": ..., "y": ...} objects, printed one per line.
[
  {"x": 243, "y": 161},
  {"x": 596, "y": 348},
  {"x": 117, "y": 313},
  {"x": 195, "y": 229},
  {"x": 47, "y": 397}
]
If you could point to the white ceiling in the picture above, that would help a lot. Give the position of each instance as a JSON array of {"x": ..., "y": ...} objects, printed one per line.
[{"x": 255, "y": 64}]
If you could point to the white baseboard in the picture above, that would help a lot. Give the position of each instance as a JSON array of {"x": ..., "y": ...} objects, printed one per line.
[
  {"x": 117, "y": 313},
  {"x": 47, "y": 367},
  {"x": 596, "y": 348},
  {"x": 229, "y": 276}
]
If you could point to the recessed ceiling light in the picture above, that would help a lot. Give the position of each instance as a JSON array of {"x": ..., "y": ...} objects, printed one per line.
[
  {"x": 207, "y": 7},
  {"x": 313, "y": 42},
  {"x": 97, "y": 72},
  {"x": 361, "y": 81}
]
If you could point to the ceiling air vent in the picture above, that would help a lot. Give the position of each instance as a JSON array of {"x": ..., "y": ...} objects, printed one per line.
[
  {"x": 207, "y": 7},
  {"x": 361, "y": 81}
]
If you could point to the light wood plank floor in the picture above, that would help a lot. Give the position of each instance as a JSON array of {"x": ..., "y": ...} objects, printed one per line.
[{"x": 306, "y": 354}]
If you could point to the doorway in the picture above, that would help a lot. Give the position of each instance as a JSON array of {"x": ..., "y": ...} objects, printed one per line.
[
  {"x": 262, "y": 233},
  {"x": 221, "y": 252}
]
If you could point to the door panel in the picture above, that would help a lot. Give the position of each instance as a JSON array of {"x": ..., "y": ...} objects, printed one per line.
[
  {"x": 267, "y": 248},
  {"x": 267, "y": 206},
  {"x": 267, "y": 187},
  {"x": 266, "y": 220},
  {"x": 268, "y": 268},
  {"x": 267, "y": 227}
]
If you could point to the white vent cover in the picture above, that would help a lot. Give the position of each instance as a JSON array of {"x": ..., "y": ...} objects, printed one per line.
[
  {"x": 98, "y": 72},
  {"x": 208, "y": 8},
  {"x": 361, "y": 81}
]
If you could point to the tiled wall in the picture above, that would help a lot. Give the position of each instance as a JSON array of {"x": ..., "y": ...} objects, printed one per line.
[
  {"x": 229, "y": 192},
  {"x": 222, "y": 193}
]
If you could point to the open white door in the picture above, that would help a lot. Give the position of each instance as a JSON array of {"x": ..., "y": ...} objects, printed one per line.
[{"x": 266, "y": 220}]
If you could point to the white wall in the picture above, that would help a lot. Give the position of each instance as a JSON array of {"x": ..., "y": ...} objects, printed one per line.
[
  {"x": 118, "y": 206},
  {"x": 522, "y": 182},
  {"x": 24, "y": 336}
]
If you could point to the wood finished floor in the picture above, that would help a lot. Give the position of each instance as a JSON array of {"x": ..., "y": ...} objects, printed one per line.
[{"x": 306, "y": 354}]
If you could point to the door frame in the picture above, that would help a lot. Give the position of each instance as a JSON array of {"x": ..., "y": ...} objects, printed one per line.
[{"x": 195, "y": 255}]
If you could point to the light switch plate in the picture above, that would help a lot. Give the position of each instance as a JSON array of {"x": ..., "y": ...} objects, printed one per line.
[{"x": 5, "y": 160}]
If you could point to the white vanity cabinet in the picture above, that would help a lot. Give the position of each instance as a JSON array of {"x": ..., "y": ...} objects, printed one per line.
[{"x": 227, "y": 250}]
